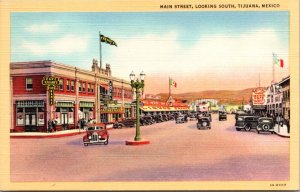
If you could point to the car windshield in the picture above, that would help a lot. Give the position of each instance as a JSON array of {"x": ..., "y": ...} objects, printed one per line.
[
  {"x": 99, "y": 128},
  {"x": 90, "y": 128}
]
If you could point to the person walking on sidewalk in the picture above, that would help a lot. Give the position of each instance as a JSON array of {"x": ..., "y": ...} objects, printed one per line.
[
  {"x": 54, "y": 123},
  {"x": 49, "y": 126}
]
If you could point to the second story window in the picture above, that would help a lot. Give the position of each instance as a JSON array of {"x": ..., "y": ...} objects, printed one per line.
[
  {"x": 79, "y": 86},
  {"x": 28, "y": 83},
  {"x": 61, "y": 84},
  {"x": 92, "y": 88},
  {"x": 68, "y": 85},
  {"x": 89, "y": 88},
  {"x": 83, "y": 87},
  {"x": 72, "y": 86}
]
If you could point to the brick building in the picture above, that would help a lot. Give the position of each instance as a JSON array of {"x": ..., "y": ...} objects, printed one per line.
[{"x": 80, "y": 93}]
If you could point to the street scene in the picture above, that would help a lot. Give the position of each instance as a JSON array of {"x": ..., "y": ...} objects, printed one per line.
[
  {"x": 177, "y": 152},
  {"x": 179, "y": 96}
]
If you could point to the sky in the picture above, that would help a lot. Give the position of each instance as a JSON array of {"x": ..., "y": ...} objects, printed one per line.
[{"x": 198, "y": 50}]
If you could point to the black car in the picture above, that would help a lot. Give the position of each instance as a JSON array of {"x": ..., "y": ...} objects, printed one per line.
[
  {"x": 125, "y": 123},
  {"x": 222, "y": 115},
  {"x": 246, "y": 122},
  {"x": 265, "y": 124},
  {"x": 203, "y": 123}
]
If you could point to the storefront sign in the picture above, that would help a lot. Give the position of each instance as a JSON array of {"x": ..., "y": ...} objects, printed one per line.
[
  {"x": 112, "y": 110},
  {"x": 110, "y": 90},
  {"x": 259, "y": 96},
  {"x": 51, "y": 83}
]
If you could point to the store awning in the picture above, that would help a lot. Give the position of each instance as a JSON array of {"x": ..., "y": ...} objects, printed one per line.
[
  {"x": 64, "y": 104},
  {"x": 160, "y": 108},
  {"x": 86, "y": 104}
]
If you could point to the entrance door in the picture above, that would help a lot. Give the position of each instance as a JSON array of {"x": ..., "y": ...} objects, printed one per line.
[
  {"x": 64, "y": 120},
  {"x": 30, "y": 122}
]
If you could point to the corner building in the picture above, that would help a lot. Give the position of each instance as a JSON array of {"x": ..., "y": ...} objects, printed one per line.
[{"x": 80, "y": 94}]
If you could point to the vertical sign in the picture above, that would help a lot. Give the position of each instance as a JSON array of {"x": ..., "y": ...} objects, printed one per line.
[
  {"x": 51, "y": 83},
  {"x": 110, "y": 90}
]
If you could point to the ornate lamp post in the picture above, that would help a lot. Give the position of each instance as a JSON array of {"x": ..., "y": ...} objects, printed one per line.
[{"x": 137, "y": 86}]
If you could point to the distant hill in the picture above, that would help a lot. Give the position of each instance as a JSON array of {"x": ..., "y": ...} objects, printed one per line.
[{"x": 223, "y": 96}]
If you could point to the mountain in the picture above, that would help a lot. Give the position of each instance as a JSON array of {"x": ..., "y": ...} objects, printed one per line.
[{"x": 223, "y": 96}]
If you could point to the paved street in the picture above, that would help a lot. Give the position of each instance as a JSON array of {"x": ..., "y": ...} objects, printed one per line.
[{"x": 177, "y": 152}]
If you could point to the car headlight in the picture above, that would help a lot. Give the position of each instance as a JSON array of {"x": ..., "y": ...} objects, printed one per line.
[
  {"x": 90, "y": 137},
  {"x": 99, "y": 136}
]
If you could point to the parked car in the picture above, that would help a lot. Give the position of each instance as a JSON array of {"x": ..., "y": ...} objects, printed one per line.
[
  {"x": 181, "y": 119},
  {"x": 246, "y": 122},
  {"x": 222, "y": 115},
  {"x": 265, "y": 124},
  {"x": 96, "y": 134},
  {"x": 203, "y": 123},
  {"x": 125, "y": 123}
]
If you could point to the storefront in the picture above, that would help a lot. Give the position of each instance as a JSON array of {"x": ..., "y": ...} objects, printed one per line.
[
  {"x": 30, "y": 115},
  {"x": 86, "y": 110},
  {"x": 64, "y": 115},
  {"x": 111, "y": 113}
]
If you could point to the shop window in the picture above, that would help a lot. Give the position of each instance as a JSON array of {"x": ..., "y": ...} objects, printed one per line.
[
  {"x": 20, "y": 116},
  {"x": 79, "y": 87},
  {"x": 83, "y": 87},
  {"x": 89, "y": 88},
  {"x": 68, "y": 85},
  {"x": 61, "y": 84},
  {"x": 92, "y": 88},
  {"x": 28, "y": 83},
  {"x": 72, "y": 86}
]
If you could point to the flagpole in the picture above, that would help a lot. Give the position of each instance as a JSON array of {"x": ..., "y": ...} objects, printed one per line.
[
  {"x": 100, "y": 51},
  {"x": 169, "y": 88},
  {"x": 273, "y": 68}
]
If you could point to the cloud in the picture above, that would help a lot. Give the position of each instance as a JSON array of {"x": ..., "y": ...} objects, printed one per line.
[
  {"x": 218, "y": 56},
  {"x": 42, "y": 28},
  {"x": 65, "y": 45}
]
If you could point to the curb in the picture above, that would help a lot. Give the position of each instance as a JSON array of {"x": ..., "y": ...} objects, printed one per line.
[
  {"x": 44, "y": 136},
  {"x": 286, "y": 136}
]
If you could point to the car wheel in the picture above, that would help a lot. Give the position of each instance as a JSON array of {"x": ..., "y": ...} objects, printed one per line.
[
  {"x": 266, "y": 127},
  {"x": 120, "y": 127},
  {"x": 258, "y": 132},
  {"x": 248, "y": 127},
  {"x": 86, "y": 144},
  {"x": 238, "y": 129},
  {"x": 106, "y": 142}
]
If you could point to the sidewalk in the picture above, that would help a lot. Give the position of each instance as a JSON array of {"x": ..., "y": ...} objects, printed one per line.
[
  {"x": 281, "y": 130},
  {"x": 64, "y": 133},
  {"x": 57, "y": 134}
]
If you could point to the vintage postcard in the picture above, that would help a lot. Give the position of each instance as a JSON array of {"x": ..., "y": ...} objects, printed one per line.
[{"x": 149, "y": 95}]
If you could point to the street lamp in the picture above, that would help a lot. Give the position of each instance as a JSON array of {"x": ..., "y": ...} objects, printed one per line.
[{"x": 138, "y": 86}]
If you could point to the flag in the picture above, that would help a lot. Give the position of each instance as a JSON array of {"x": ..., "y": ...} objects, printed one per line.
[
  {"x": 172, "y": 83},
  {"x": 277, "y": 61},
  {"x": 107, "y": 40}
]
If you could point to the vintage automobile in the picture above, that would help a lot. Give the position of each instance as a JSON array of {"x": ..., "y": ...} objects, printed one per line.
[
  {"x": 265, "y": 124},
  {"x": 203, "y": 123},
  {"x": 124, "y": 123},
  {"x": 222, "y": 115},
  {"x": 96, "y": 134},
  {"x": 246, "y": 122},
  {"x": 181, "y": 119}
]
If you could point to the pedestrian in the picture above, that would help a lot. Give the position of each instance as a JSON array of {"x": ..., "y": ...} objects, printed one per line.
[
  {"x": 54, "y": 123},
  {"x": 288, "y": 125},
  {"x": 81, "y": 123},
  {"x": 49, "y": 126}
]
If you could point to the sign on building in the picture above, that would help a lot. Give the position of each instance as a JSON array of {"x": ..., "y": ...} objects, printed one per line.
[
  {"x": 51, "y": 83},
  {"x": 110, "y": 90},
  {"x": 259, "y": 96}
]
